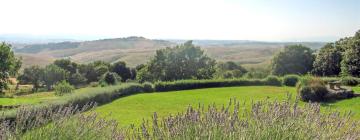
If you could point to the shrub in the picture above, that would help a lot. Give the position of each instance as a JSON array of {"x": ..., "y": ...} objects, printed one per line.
[
  {"x": 62, "y": 88},
  {"x": 148, "y": 87},
  {"x": 349, "y": 81},
  {"x": 111, "y": 78},
  {"x": 313, "y": 93},
  {"x": 312, "y": 89},
  {"x": 290, "y": 80},
  {"x": 273, "y": 80}
]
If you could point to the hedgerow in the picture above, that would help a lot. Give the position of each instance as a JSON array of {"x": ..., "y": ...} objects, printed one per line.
[{"x": 196, "y": 84}]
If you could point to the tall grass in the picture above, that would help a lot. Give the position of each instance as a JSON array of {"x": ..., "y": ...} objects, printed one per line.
[{"x": 264, "y": 120}]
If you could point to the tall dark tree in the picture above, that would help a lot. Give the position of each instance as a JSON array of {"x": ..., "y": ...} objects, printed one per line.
[
  {"x": 294, "y": 59},
  {"x": 327, "y": 62},
  {"x": 121, "y": 69},
  {"x": 184, "y": 61},
  {"x": 9, "y": 65}
]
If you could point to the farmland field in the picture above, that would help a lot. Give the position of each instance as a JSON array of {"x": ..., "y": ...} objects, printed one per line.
[{"x": 133, "y": 109}]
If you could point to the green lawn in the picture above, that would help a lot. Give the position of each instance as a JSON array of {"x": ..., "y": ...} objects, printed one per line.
[
  {"x": 133, "y": 109},
  {"x": 40, "y": 97},
  {"x": 352, "y": 105},
  {"x": 28, "y": 99}
]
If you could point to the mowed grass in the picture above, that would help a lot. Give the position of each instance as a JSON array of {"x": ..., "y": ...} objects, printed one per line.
[
  {"x": 136, "y": 108},
  {"x": 133, "y": 109},
  {"x": 349, "y": 105}
]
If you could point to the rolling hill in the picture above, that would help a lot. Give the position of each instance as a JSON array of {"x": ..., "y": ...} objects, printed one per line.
[{"x": 138, "y": 50}]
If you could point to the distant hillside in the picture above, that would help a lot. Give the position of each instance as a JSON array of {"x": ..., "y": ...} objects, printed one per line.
[
  {"x": 134, "y": 50},
  {"x": 30, "y": 59},
  {"x": 249, "y": 43},
  {"x": 138, "y": 50}
]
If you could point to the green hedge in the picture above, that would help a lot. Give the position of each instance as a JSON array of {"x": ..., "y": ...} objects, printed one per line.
[{"x": 196, "y": 84}]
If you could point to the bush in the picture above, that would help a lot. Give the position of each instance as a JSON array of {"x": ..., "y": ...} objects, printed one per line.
[
  {"x": 291, "y": 80},
  {"x": 349, "y": 81},
  {"x": 62, "y": 88},
  {"x": 111, "y": 78},
  {"x": 313, "y": 93},
  {"x": 148, "y": 87},
  {"x": 312, "y": 89},
  {"x": 273, "y": 80}
]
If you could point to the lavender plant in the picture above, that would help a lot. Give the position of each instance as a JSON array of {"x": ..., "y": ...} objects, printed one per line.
[{"x": 264, "y": 120}]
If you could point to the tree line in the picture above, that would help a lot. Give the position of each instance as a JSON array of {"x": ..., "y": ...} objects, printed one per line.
[
  {"x": 341, "y": 58},
  {"x": 187, "y": 61}
]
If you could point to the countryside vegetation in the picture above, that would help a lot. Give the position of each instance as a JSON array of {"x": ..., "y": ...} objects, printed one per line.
[{"x": 182, "y": 91}]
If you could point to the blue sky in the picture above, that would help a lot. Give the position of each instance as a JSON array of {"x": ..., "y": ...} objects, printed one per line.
[{"x": 266, "y": 20}]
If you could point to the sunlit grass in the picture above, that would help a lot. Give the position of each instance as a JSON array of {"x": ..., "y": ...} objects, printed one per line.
[{"x": 133, "y": 109}]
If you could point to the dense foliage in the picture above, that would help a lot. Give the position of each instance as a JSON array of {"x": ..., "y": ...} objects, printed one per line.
[
  {"x": 350, "y": 65},
  {"x": 294, "y": 59},
  {"x": 229, "y": 70},
  {"x": 327, "y": 62},
  {"x": 184, "y": 61},
  {"x": 339, "y": 58},
  {"x": 312, "y": 89},
  {"x": 32, "y": 75},
  {"x": 196, "y": 84},
  {"x": 291, "y": 80},
  {"x": 62, "y": 88},
  {"x": 111, "y": 78},
  {"x": 53, "y": 74},
  {"x": 9, "y": 65},
  {"x": 121, "y": 69},
  {"x": 273, "y": 80}
]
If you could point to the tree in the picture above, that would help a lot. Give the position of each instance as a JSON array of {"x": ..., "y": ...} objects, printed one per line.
[
  {"x": 144, "y": 75},
  {"x": 121, "y": 69},
  {"x": 350, "y": 64},
  {"x": 33, "y": 76},
  {"x": 184, "y": 61},
  {"x": 229, "y": 70},
  {"x": 294, "y": 59},
  {"x": 53, "y": 74},
  {"x": 327, "y": 61},
  {"x": 111, "y": 78},
  {"x": 93, "y": 71},
  {"x": 9, "y": 64},
  {"x": 66, "y": 64},
  {"x": 77, "y": 79}
]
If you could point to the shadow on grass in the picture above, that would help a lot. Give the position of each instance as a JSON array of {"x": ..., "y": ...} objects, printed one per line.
[{"x": 332, "y": 101}]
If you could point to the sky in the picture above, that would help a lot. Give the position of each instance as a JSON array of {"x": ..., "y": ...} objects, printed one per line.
[{"x": 262, "y": 20}]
